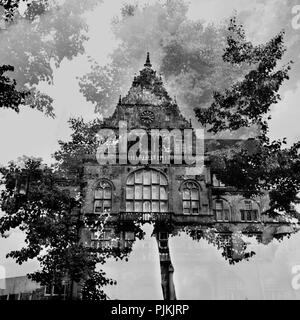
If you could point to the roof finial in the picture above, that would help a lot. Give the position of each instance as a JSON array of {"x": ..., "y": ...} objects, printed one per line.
[
  {"x": 120, "y": 100},
  {"x": 148, "y": 63}
]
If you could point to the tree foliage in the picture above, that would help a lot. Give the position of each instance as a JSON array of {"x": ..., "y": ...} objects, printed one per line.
[
  {"x": 248, "y": 101},
  {"x": 259, "y": 165},
  {"x": 10, "y": 97},
  {"x": 36, "y": 40},
  {"x": 83, "y": 141},
  {"x": 187, "y": 53},
  {"x": 35, "y": 200}
]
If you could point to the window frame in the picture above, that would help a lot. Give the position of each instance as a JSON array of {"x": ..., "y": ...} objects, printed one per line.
[
  {"x": 54, "y": 293},
  {"x": 102, "y": 185},
  {"x": 252, "y": 214},
  {"x": 225, "y": 210},
  {"x": 190, "y": 199},
  {"x": 147, "y": 180}
]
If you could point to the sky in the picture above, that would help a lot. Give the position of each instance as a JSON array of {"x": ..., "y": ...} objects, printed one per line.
[
  {"x": 31, "y": 133},
  {"x": 40, "y": 137}
]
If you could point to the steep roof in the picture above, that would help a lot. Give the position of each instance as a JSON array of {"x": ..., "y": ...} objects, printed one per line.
[{"x": 147, "y": 88}]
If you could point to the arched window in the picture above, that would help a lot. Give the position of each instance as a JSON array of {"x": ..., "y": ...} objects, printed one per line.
[
  {"x": 103, "y": 197},
  {"x": 190, "y": 198},
  {"x": 147, "y": 192},
  {"x": 221, "y": 210},
  {"x": 249, "y": 210}
]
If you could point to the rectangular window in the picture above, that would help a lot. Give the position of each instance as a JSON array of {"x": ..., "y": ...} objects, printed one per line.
[
  {"x": 138, "y": 206},
  {"x": 219, "y": 205},
  {"x": 147, "y": 206},
  {"x": 146, "y": 177},
  {"x": 105, "y": 235},
  {"x": 58, "y": 290},
  {"x": 163, "y": 207},
  {"x": 48, "y": 290},
  {"x": 98, "y": 206},
  {"x": 155, "y": 206},
  {"x": 195, "y": 206},
  {"x": 248, "y": 205},
  {"x": 186, "y": 206},
  {"x": 129, "y": 236},
  {"x": 163, "y": 193},
  {"x": 254, "y": 215},
  {"x": 186, "y": 194},
  {"x": 138, "y": 192},
  {"x": 155, "y": 192},
  {"x": 219, "y": 215},
  {"x": 107, "y": 206},
  {"x": 226, "y": 215},
  {"x": 243, "y": 215},
  {"x": 195, "y": 194},
  {"x": 107, "y": 193},
  {"x": 249, "y": 215},
  {"x": 129, "y": 206},
  {"x": 146, "y": 193},
  {"x": 129, "y": 192},
  {"x": 98, "y": 193}
]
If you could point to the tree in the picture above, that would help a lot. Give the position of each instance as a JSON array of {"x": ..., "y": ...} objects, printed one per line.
[
  {"x": 83, "y": 141},
  {"x": 10, "y": 7},
  {"x": 37, "y": 40},
  {"x": 35, "y": 200},
  {"x": 187, "y": 53},
  {"x": 10, "y": 97},
  {"x": 261, "y": 165}
]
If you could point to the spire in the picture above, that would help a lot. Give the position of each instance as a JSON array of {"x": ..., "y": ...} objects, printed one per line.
[
  {"x": 120, "y": 100},
  {"x": 148, "y": 63}
]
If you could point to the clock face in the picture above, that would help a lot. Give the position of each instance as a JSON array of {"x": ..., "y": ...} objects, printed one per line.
[{"x": 147, "y": 117}]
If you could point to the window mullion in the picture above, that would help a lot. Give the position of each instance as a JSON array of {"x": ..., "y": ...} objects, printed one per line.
[
  {"x": 150, "y": 191},
  {"x": 191, "y": 201}
]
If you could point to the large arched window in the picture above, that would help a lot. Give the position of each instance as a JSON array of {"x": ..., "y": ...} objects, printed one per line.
[
  {"x": 190, "y": 197},
  {"x": 103, "y": 197},
  {"x": 249, "y": 210},
  {"x": 221, "y": 210},
  {"x": 147, "y": 192}
]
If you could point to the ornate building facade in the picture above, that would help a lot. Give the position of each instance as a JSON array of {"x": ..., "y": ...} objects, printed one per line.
[{"x": 174, "y": 197}]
